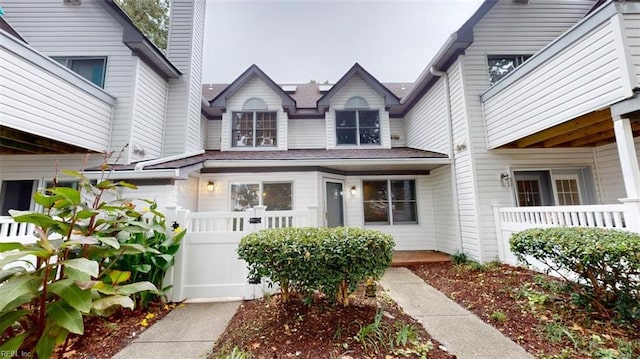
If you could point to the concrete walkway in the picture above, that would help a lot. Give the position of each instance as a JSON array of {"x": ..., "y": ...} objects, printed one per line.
[
  {"x": 186, "y": 332},
  {"x": 459, "y": 330}
]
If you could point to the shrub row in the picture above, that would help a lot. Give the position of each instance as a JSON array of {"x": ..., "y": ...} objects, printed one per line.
[
  {"x": 606, "y": 261},
  {"x": 330, "y": 260}
]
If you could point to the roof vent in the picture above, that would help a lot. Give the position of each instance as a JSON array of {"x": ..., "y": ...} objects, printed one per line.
[
  {"x": 520, "y": 2},
  {"x": 71, "y": 2},
  {"x": 289, "y": 88}
]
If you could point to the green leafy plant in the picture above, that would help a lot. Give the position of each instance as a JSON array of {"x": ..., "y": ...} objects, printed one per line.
[
  {"x": 459, "y": 257},
  {"x": 330, "y": 260},
  {"x": 80, "y": 238},
  {"x": 151, "y": 266},
  {"x": 374, "y": 336},
  {"x": 235, "y": 353},
  {"x": 606, "y": 261},
  {"x": 498, "y": 316}
]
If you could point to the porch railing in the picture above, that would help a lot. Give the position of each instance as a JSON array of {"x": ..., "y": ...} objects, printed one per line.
[
  {"x": 509, "y": 220},
  {"x": 11, "y": 231}
]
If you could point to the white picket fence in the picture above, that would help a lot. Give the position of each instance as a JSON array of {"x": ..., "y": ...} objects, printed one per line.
[{"x": 509, "y": 220}]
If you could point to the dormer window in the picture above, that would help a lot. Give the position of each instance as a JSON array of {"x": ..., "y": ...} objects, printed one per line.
[
  {"x": 357, "y": 124},
  {"x": 255, "y": 126}
]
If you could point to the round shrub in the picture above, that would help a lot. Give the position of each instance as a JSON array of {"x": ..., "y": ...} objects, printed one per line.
[
  {"x": 330, "y": 260},
  {"x": 607, "y": 261}
]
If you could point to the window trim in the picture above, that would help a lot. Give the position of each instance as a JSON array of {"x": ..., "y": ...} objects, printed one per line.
[
  {"x": 254, "y": 130},
  {"x": 260, "y": 193},
  {"x": 67, "y": 61},
  {"x": 358, "y": 127},
  {"x": 519, "y": 59},
  {"x": 390, "y": 202}
]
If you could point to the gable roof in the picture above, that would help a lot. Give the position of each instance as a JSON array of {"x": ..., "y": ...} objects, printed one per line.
[
  {"x": 390, "y": 98},
  {"x": 139, "y": 44},
  {"x": 220, "y": 101}
]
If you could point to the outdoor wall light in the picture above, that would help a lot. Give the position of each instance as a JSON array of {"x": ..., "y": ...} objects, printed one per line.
[
  {"x": 210, "y": 186},
  {"x": 353, "y": 191},
  {"x": 505, "y": 179}
]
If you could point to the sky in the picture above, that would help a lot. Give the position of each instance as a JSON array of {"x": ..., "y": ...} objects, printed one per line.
[{"x": 296, "y": 41}]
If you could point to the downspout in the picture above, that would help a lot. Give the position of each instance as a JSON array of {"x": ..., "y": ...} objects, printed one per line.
[{"x": 454, "y": 186}]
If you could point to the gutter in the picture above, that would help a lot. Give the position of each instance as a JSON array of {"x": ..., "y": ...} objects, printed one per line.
[
  {"x": 324, "y": 162},
  {"x": 141, "y": 165}
]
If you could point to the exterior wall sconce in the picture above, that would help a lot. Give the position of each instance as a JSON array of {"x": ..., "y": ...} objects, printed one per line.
[
  {"x": 210, "y": 186},
  {"x": 353, "y": 190},
  {"x": 505, "y": 179}
]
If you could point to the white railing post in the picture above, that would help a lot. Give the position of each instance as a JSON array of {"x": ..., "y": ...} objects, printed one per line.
[
  {"x": 175, "y": 275},
  {"x": 631, "y": 214},
  {"x": 312, "y": 217},
  {"x": 499, "y": 235}
]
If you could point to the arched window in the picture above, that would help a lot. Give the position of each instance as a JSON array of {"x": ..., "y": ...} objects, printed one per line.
[
  {"x": 357, "y": 124},
  {"x": 255, "y": 104},
  {"x": 254, "y": 126},
  {"x": 356, "y": 102}
]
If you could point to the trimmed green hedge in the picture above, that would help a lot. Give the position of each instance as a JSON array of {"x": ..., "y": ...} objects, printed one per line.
[
  {"x": 330, "y": 260},
  {"x": 607, "y": 261}
]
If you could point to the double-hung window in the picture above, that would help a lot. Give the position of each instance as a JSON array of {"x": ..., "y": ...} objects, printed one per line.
[
  {"x": 357, "y": 124},
  {"x": 500, "y": 65},
  {"x": 254, "y": 126},
  {"x": 276, "y": 196},
  {"x": 91, "y": 68},
  {"x": 390, "y": 202}
]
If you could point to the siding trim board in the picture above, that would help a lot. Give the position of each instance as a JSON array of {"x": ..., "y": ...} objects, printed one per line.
[{"x": 554, "y": 48}]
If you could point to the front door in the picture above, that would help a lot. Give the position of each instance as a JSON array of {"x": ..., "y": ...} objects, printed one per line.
[{"x": 334, "y": 209}]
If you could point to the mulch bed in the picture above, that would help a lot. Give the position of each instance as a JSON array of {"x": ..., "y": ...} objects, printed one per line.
[
  {"x": 527, "y": 306},
  {"x": 269, "y": 328},
  {"x": 104, "y": 337}
]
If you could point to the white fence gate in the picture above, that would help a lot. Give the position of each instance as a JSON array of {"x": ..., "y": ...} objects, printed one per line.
[{"x": 207, "y": 265}]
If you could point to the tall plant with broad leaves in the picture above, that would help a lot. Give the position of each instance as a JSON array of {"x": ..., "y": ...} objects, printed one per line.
[{"x": 74, "y": 268}]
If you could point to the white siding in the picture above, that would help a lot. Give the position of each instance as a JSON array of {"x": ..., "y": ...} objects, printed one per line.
[
  {"x": 164, "y": 195},
  {"x": 419, "y": 236},
  {"x": 85, "y": 30},
  {"x": 182, "y": 129},
  {"x": 148, "y": 112},
  {"x": 464, "y": 165},
  {"x": 204, "y": 131},
  {"x": 426, "y": 123},
  {"x": 307, "y": 133},
  {"x": 631, "y": 25},
  {"x": 357, "y": 87},
  {"x": 255, "y": 87},
  {"x": 43, "y": 167},
  {"x": 214, "y": 134},
  {"x": 36, "y": 98},
  {"x": 609, "y": 172},
  {"x": 506, "y": 29},
  {"x": 304, "y": 188},
  {"x": 447, "y": 235},
  {"x": 397, "y": 128},
  {"x": 584, "y": 77}
]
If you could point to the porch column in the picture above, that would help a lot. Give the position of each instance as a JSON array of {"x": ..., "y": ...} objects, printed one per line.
[{"x": 630, "y": 171}]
